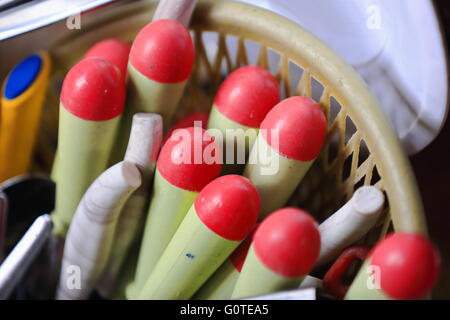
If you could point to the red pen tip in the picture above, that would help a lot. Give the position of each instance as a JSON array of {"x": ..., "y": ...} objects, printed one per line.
[
  {"x": 93, "y": 90},
  {"x": 302, "y": 128},
  {"x": 187, "y": 159},
  {"x": 163, "y": 51},
  {"x": 409, "y": 265},
  {"x": 229, "y": 206},
  {"x": 288, "y": 242},
  {"x": 115, "y": 51},
  {"x": 247, "y": 95}
]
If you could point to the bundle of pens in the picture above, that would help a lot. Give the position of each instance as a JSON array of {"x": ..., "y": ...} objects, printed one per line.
[{"x": 152, "y": 208}]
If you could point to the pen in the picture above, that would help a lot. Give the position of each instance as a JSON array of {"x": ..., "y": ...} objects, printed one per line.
[
  {"x": 90, "y": 236},
  {"x": 177, "y": 183},
  {"x": 114, "y": 50},
  {"x": 142, "y": 150},
  {"x": 161, "y": 61},
  {"x": 221, "y": 217},
  {"x": 22, "y": 98},
  {"x": 290, "y": 138},
  {"x": 284, "y": 249},
  {"x": 221, "y": 284},
  {"x": 179, "y": 10},
  {"x": 350, "y": 223},
  {"x": 401, "y": 266},
  {"x": 241, "y": 104},
  {"x": 92, "y": 100}
]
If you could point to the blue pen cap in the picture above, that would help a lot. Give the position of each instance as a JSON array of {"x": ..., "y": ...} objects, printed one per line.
[{"x": 22, "y": 76}]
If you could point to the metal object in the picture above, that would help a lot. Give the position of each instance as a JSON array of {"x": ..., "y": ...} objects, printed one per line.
[
  {"x": 19, "y": 260},
  {"x": 7, "y": 4},
  {"x": 29, "y": 196},
  {"x": 31, "y": 15}
]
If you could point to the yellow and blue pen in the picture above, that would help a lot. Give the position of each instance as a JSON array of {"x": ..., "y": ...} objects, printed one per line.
[{"x": 22, "y": 97}]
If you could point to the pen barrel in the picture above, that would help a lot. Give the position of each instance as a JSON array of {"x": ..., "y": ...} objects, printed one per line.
[
  {"x": 256, "y": 279},
  {"x": 91, "y": 232},
  {"x": 220, "y": 285},
  {"x": 128, "y": 228},
  {"x": 402, "y": 266},
  {"x": 276, "y": 177},
  {"x": 54, "y": 172},
  {"x": 143, "y": 146},
  {"x": 168, "y": 207},
  {"x": 234, "y": 137},
  {"x": 180, "y": 10},
  {"x": 364, "y": 286},
  {"x": 191, "y": 257},
  {"x": 147, "y": 95},
  {"x": 350, "y": 223},
  {"x": 19, "y": 124},
  {"x": 83, "y": 151}
]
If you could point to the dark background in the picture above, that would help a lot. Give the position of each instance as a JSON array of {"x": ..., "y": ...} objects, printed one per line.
[{"x": 432, "y": 168}]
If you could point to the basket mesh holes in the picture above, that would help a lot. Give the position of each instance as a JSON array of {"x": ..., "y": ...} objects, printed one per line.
[
  {"x": 231, "y": 43},
  {"x": 209, "y": 41},
  {"x": 225, "y": 69},
  {"x": 350, "y": 130},
  {"x": 317, "y": 90},
  {"x": 332, "y": 145},
  {"x": 363, "y": 152},
  {"x": 282, "y": 91},
  {"x": 359, "y": 184},
  {"x": 375, "y": 176},
  {"x": 295, "y": 73},
  {"x": 347, "y": 168},
  {"x": 334, "y": 109},
  {"x": 253, "y": 51},
  {"x": 222, "y": 64},
  {"x": 273, "y": 58}
]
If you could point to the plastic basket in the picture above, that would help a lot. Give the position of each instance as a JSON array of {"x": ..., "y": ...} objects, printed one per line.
[{"x": 361, "y": 147}]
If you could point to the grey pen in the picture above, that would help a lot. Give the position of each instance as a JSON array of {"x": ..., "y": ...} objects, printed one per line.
[{"x": 24, "y": 253}]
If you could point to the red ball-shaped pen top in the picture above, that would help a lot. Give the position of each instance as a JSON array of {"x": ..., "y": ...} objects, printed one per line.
[
  {"x": 247, "y": 95},
  {"x": 409, "y": 265},
  {"x": 184, "y": 159},
  {"x": 288, "y": 242},
  {"x": 93, "y": 90},
  {"x": 229, "y": 206},
  {"x": 301, "y": 126},
  {"x": 163, "y": 51},
  {"x": 114, "y": 50}
]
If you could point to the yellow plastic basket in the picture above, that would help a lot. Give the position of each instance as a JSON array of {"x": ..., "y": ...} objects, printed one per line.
[{"x": 361, "y": 147}]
